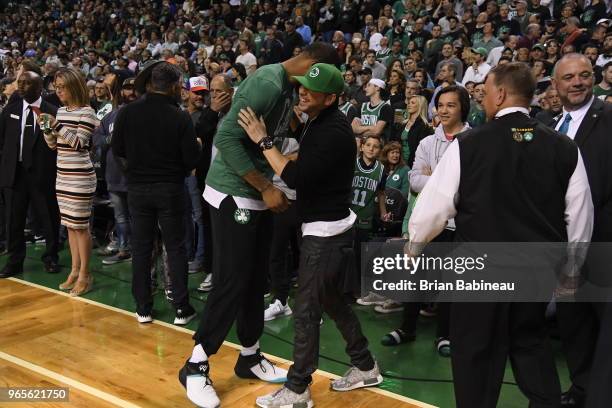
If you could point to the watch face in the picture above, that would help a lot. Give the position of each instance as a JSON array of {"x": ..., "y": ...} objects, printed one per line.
[{"x": 267, "y": 143}]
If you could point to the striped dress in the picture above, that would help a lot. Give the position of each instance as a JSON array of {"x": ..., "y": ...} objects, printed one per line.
[{"x": 76, "y": 179}]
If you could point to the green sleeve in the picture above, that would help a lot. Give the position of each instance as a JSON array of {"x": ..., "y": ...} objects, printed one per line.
[
  {"x": 411, "y": 202},
  {"x": 231, "y": 138}
]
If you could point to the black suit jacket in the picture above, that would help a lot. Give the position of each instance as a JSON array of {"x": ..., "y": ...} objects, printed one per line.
[
  {"x": 44, "y": 160},
  {"x": 594, "y": 138}
]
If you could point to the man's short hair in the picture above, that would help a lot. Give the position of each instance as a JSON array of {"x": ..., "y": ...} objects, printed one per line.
[
  {"x": 322, "y": 52},
  {"x": 462, "y": 94},
  {"x": 164, "y": 76},
  {"x": 516, "y": 77}
]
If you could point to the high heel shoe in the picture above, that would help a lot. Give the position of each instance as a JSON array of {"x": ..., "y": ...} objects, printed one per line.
[
  {"x": 85, "y": 289},
  {"x": 70, "y": 281}
]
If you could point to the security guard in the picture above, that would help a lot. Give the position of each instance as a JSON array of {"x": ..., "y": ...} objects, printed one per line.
[{"x": 551, "y": 202}]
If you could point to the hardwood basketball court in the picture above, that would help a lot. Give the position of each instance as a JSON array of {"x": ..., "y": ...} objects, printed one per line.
[{"x": 107, "y": 359}]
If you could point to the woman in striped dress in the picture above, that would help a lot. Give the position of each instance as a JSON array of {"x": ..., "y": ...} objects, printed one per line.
[{"x": 70, "y": 133}]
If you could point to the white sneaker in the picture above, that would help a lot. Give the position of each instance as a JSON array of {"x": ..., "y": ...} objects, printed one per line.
[
  {"x": 355, "y": 378},
  {"x": 184, "y": 316},
  {"x": 371, "y": 299},
  {"x": 390, "y": 306},
  {"x": 195, "y": 379},
  {"x": 276, "y": 309},
  {"x": 285, "y": 398},
  {"x": 147, "y": 318},
  {"x": 206, "y": 285}
]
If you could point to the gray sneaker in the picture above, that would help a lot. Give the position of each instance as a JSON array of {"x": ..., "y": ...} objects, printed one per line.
[
  {"x": 355, "y": 378},
  {"x": 371, "y": 299},
  {"x": 285, "y": 398}
]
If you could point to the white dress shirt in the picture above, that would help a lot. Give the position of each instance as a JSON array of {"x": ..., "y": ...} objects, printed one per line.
[
  {"x": 436, "y": 203},
  {"x": 577, "y": 117},
  {"x": 476, "y": 75},
  {"x": 24, "y": 115}
]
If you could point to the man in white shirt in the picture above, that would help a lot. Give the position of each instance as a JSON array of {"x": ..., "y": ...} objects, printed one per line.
[
  {"x": 496, "y": 53},
  {"x": 246, "y": 58},
  {"x": 484, "y": 161},
  {"x": 479, "y": 68}
]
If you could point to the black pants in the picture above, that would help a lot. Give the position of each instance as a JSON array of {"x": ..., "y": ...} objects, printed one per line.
[
  {"x": 285, "y": 231},
  {"x": 208, "y": 238},
  {"x": 150, "y": 204},
  {"x": 3, "y": 218},
  {"x": 579, "y": 329},
  {"x": 484, "y": 336},
  {"x": 411, "y": 314},
  {"x": 26, "y": 192},
  {"x": 322, "y": 264},
  {"x": 411, "y": 310},
  {"x": 240, "y": 263},
  {"x": 599, "y": 391}
]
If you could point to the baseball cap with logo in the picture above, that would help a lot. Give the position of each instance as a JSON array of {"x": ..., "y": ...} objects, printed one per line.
[
  {"x": 323, "y": 78},
  {"x": 199, "y": 83},
  {"x": 480, "y": 50}
]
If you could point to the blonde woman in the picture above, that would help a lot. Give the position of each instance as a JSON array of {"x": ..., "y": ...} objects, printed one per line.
[
  {"x": 70, "y": 133},
  {"x": 416, "y": 127}
]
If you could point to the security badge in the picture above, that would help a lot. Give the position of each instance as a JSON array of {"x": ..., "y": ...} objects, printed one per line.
[{"x": 522, "y": 134}]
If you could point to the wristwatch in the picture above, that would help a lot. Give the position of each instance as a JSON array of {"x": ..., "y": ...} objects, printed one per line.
[{"x": 266, "y": 143}]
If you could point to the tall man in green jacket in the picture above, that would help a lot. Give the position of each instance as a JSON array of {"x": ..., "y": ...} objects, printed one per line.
[{"x": 240, "y": 193}]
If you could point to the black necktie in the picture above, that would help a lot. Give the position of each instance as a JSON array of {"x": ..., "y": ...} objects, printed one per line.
[{"x": 28, "y": 139}]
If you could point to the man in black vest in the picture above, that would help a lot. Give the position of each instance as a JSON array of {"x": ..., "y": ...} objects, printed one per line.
[
  {"x": 27, "y": 171},
  {"x": 471, "y": 184},
  {"x": 588, "y": 121}
]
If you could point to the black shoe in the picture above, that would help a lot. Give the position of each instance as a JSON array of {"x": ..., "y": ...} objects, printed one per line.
[
  {"x": 572, "y": 399},
  {"x": 9, "y": 271},
  {"x": 52, "y": 267},
  {"x": 184, "y": 315},
  {"x": 256, "y": 366}
]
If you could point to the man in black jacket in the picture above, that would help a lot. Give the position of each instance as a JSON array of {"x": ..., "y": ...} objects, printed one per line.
[
  {"x": 587, "y": 120},
  {"x": 322, "y": 176},
  {"x": 157, "y": 141},
  {"x": 27, "y": 171}
]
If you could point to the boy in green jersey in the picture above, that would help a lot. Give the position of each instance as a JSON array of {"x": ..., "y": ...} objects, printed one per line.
[
  {"x": 240, "y": 193},
  {"x": 376, "y": 114}
]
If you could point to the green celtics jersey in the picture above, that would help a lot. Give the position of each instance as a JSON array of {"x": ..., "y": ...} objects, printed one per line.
[
  {"x": 477, "y": 115},
  {"x": 345, "y": 108},
  {"x": 370, "y": 115},
  {"x": 365, "y": 187},
  {"x": 270, "y": 94}
]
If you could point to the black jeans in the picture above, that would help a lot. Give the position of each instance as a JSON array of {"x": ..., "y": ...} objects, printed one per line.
[
  {"x": 285, "y": 231},
  {"x": 323, "y": 261},
  {"x": 44, "y": 204},
  {"x": 150, "y": 204},
  {"x": 240, "y": 264}
]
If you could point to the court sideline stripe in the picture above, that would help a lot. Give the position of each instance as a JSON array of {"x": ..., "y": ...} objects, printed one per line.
[
  {"x": 235, "y": 346},
  {"x": 68, "y": 381}
]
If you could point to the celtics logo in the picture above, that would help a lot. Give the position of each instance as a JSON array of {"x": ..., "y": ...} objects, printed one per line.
[
  {"x": 528, "y": 136},
  {"x": 314, "y": 72},
  {"x": 395, "y": 177},
  {"x": 242, "y": 216}
]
